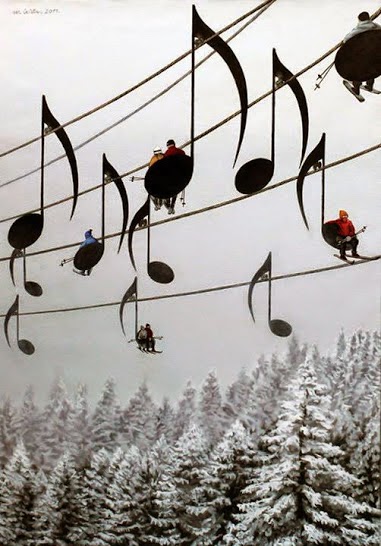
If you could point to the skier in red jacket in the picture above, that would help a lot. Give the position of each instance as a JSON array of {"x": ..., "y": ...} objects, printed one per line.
[
  {"x": 346, "y": 236},
  {"x": 172, "y": 149}
]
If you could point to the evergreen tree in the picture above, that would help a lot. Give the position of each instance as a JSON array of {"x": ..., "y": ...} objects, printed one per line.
[
  {"x": 19, "y": 489},
  {"x": 8, "y": 430},
  {"x": 28, "y": 425},
  {"x": 210, "y": 409},
  {"x": 139, "y": 420},
  {"x": 237, "y": 398},
  {"x": 60, "y": 512},
  {"x": 165, "y": 421},
  {"x": 104, "y": 422},
  {"x": 301, "y": 496},
  {"x": 79, "y": 427},
  {"x": 186, "y": 411}
]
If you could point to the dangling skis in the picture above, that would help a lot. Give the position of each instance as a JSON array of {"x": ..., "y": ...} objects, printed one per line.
[
  {"x": 349, "y": 262},
  {"x": 349, "y": 86},
  {"x": 375, "y": 91}
]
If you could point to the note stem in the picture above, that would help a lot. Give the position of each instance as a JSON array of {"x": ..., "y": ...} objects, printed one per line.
[
  {"x": 323, "y": 187},
  {"x": 149, "y": 233},
  {"x": 42, "y": 156},
  {"x": 273, "y": 113},
  {"x": 192, "y": 90}
]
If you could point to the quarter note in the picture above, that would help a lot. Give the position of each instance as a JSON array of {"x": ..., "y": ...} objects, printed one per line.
[
  {"x": 317, "y": 156},
  {"x": 23, "y": 344},
  {"x": 88, "y": 256},
  {"x": 131, "y": 293},
  {"x": 32, "y": 287},
  {"x": 158, "y": 271},
  {"x": 254, "y": 175},
  {"x": 170, "y": 176},
  {"x": 27, "y": 229},
  {"x": 278, "y": 327}
]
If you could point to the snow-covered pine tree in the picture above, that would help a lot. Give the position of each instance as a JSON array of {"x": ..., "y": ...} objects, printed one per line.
[
  {"x": 228, "y": 472},
  {"x": 138, "y": 421},
  {"x": 28, "y": 425},
  {"x": 211, "y": 418},
  {"x": 60, "y": 511},
  {"x": 165, "y": 421},
  {"x": 301, "y": 496},
  {"x": 54, "y": 438},
  {"x": 8, "y": 430},
  {"x": 19, "y": 489},
  {"x": 104, "y": 424},
  {"x": 192, "y": 514},
  {"x": 79, "y": 428},
  {"x": 237, "y": 398},
  {"x": 186, "y": 411}
]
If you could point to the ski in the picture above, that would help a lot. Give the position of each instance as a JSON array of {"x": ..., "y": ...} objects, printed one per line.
[
  {"x": 375, "y": 91},
  {"x": 370, "y": 258},
  {"x": 351, "y": 90},
  {"x": 350, "y": 262}
]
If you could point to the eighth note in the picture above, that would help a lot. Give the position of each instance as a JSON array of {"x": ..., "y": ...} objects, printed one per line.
[
  {"x": 254, "y": 175},
  {"x": 278, "y": 327},
  {"x": 23, "y": 344},
  {"x": 158, "y": 271},
  {"x": 32, "y": 287}
]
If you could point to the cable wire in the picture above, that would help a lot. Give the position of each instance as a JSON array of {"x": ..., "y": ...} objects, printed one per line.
[
  {"x": 196, "y": 292},
  {"x": 136, "y": 86},
  {"x": 142, "y": 106},
  {"x": 209, "y": 207}
]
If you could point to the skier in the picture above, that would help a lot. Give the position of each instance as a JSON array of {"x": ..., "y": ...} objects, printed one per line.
[
  {"x": 346, "y": 236},
  {"x": 150, "y": 341},
  {"x": 157, "y": 155},
  {"x": 171, "y": 151},
  {"x": 141, "y": 338},
  {"x": 364, "y": 24},
  {"x": 89, "y": 239}
]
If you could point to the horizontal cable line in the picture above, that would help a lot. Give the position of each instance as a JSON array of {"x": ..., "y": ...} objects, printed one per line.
[
  {"x": 196, "y": 138},
  {"x": 196, "y": 292},
  {"x": 211, "y": 207},
  {"x": 142, "y": 106},
  {"x": 138, "y": 85}
]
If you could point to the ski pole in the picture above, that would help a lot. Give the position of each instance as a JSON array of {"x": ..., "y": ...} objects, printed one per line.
[{"x": 322, "y": 76}]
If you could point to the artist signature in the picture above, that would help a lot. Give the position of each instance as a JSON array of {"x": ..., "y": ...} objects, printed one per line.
[{"x": 34, "y": 11}]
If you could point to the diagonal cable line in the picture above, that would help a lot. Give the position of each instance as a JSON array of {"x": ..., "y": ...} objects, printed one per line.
[
  {"x": 136, "y": 86},
  {"x": 197, "y": 292},
  {"x": 142, "y": 106},
  {"x": 211, "y": 207}
]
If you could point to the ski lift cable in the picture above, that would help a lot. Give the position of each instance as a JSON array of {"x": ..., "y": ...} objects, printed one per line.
[
  {"x": 196, "y": 138},
  {"x": 138, "y": 85},
  {"x": 197, "y": 292},
  {"x": 142, "y": 106},
  {"x": 210, "y": 207}
]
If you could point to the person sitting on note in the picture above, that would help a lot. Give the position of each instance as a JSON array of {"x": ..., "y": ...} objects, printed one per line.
[
  {"x": 346, "y": 234},
  {"x": 150, "y": 342},
  {"x": 171, "y": 151},
  {"x": 364, "y": 24},
  {"x": 141, "y": 338},
  {"x": 157, "y": 155},
  {"x": 89, "y": 239}
]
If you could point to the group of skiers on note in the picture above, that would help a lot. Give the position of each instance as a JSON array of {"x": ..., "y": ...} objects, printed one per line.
[
  {"x": 364, "y": 24},
  {"x": 157, "y": 155},
  {"x": 145, "y": 339}
]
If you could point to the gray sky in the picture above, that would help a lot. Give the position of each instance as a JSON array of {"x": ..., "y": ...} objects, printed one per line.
[{"x": 87, "y": 52}]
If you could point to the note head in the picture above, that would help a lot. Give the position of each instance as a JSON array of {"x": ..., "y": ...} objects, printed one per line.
[
  {"x": 88, "y": 256},
  {"x": 359, "y": 58},
  {"x": 26, "y": 346},
  {"x": 33, "y": 288},
  {"x": 169, "y": 176},
  {"x": 160, "y": 272},
  {"x": 330, "y": 234},
  {"x": 254, "y": 175},
  {"x": 25, "y": 230},
  {"x": 280, "y": 328}
]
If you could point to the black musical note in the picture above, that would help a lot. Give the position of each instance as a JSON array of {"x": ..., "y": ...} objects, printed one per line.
[
  {"x": 28, "y": 228},
  {"x": 23, "y": 344},
  {"x": 278, "y": 327},
  {"x": 158, "y": 271},
  {"x": 131, "y": 293},
  {"x": 170, "y": 176},
  {"x": 89, "y": 255},
  {"x": 254, "y": 175},
  {"x": 317, "y": 156},
  {"x": 32, "y": 287}
]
